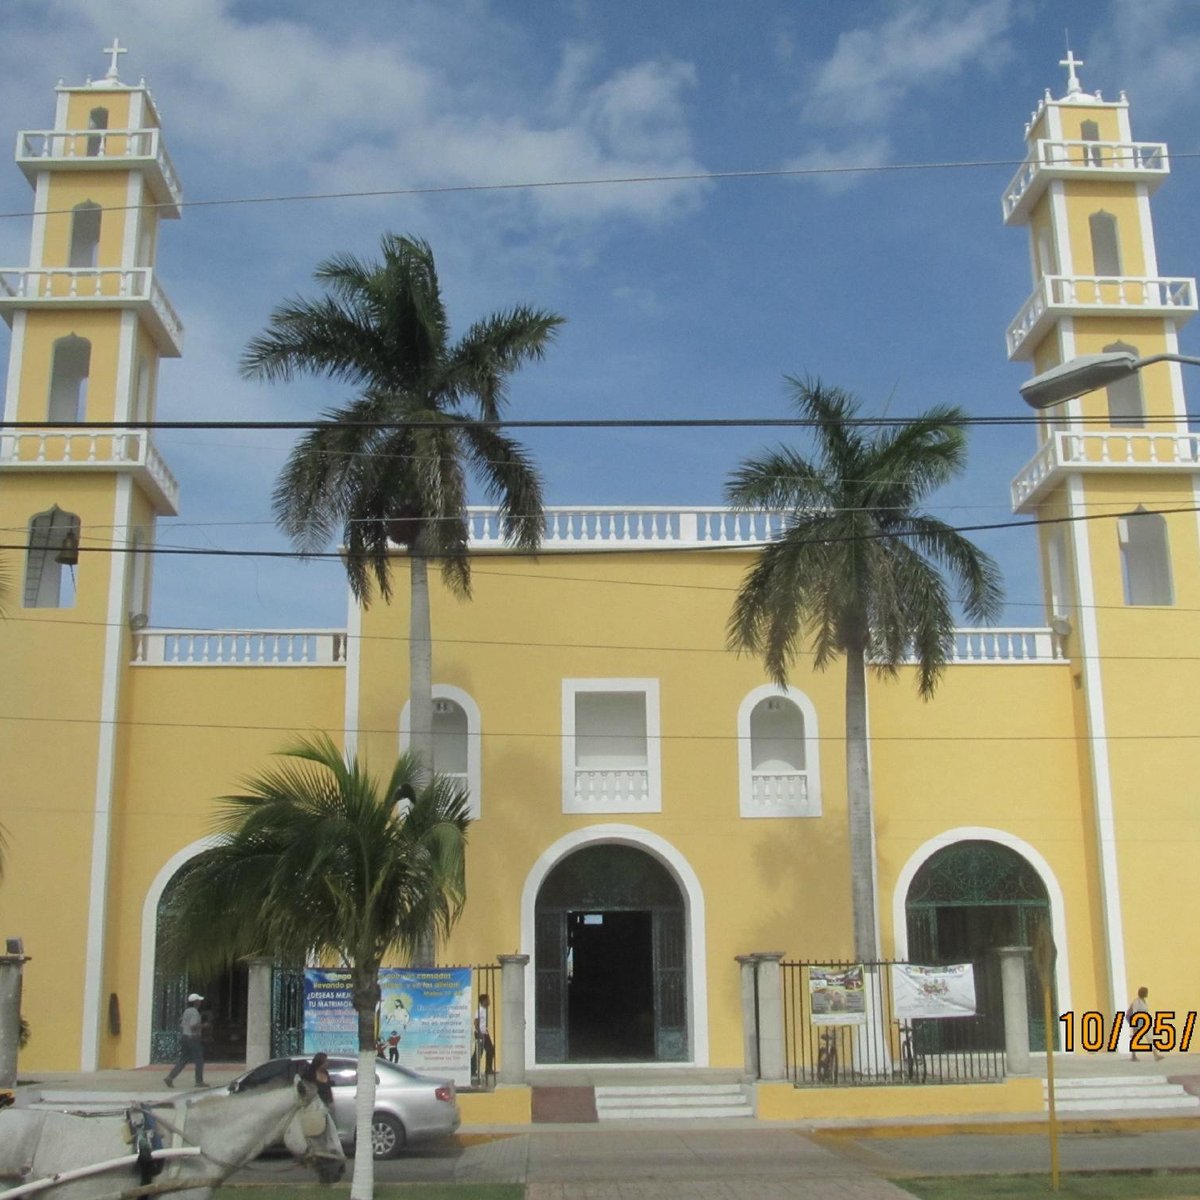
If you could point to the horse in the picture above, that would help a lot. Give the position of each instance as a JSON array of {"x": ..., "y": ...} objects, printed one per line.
[{"x": 191, "y": 1146}]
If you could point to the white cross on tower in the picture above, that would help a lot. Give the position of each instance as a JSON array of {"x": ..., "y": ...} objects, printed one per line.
[
  {"x": 115, "y": 49},
  {"x": 1071, "y": 62}
]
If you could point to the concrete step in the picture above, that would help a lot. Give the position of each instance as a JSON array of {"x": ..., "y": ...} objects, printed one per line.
[
  {"x": 1134, "y": 1093},
  {"x": 668, "y": 1101}
]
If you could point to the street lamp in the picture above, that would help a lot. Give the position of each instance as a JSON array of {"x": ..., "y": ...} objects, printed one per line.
[{"x": 1086, "y": 374}]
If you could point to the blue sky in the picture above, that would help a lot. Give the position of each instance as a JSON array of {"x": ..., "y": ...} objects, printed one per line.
[{"x": 683, "y": 298}]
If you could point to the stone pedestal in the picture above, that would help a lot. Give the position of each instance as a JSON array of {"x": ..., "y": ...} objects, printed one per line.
[
  {"x": 258, "y": 1011},
  {"x": 772, "y": 1059},
  {"x": 1013, "y": 960},
  {"x": 512, "y": 1017},
  {"x": 11, "y": 966},
  {"x": 746, "y": 966}
]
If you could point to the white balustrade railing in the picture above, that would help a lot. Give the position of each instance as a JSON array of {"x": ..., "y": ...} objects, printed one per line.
[
  {"x": 1076, "y": 157},
  {"x": 47, "y": 146},
  {"x": 90, "y": 450},
  {"x": 1099, "y": 450},
  {"x": 773, "y": 789},
  {"x": 1005, "y": 645},
  {"x": 608, "y": 789},
  {"x": 92, "y": 285},
  {"x": 240, "y": 647},
  {"x": 1124, "y": 294},
  {"x": 571, "y": 526}
]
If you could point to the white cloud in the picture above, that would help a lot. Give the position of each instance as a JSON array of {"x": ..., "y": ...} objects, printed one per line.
[
  {"x": 836, "y": 169},
  {"x": 871, "y": 71}
]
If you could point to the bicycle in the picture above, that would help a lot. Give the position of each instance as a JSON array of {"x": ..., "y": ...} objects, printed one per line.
[{"x": 914, "y": 1063}]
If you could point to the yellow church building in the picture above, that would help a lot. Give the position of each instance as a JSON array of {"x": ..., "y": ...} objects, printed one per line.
[{"x": 647, "y": 806}]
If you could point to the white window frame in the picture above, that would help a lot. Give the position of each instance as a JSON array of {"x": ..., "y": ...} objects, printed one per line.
[
  {"x": 444, "y": 691},
  {"x": 652, "y": 802},
  {"x": 810, "y": 806}
]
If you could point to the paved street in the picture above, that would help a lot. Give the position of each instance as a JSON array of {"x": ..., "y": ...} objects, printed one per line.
[{"x": 759, "y": 1162}]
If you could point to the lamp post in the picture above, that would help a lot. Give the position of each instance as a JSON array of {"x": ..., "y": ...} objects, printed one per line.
[{"x": 1087, "y": 373}]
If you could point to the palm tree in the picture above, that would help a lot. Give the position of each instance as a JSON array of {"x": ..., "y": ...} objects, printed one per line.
[
  {"x": 319, "y": 859},
  {"x": 859, "y": 571},
  {"x": 392, "y": 467}
]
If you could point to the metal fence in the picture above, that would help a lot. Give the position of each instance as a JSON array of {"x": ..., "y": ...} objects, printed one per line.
[{"x": 882, "y": 1049}]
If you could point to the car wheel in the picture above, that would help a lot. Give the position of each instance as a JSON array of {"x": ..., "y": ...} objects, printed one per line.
[{"x": 387, "y": 1136}]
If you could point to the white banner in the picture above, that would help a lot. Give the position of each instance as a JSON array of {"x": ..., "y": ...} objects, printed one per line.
[
  {"x": 932, "y": 991},
  {"x": 836, "y": 995}
]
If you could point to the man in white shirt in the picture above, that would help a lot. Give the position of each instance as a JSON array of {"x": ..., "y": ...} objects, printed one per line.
[{"x": 191, "y": 1048}]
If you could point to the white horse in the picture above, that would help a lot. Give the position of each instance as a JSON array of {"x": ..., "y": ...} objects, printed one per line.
[{"x": 50, "y": 1155}]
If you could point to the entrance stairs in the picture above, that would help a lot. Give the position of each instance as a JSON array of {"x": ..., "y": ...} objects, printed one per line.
[
  {"x": 667, "y": 1101},
  {"x": 1115, "y": 1094}
]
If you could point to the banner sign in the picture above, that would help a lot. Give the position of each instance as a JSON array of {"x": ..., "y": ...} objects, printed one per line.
[
  {"x": 426, "y": 1011},
  {"x": 836, "y": 995},
  {"x": 922, "y": 992}
]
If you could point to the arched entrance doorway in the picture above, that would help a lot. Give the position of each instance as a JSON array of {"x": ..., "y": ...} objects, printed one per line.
[
  {"x": 610, "y": 960},
  {"x": 224, "y": 992},
  {"x": 967, "y": 900}
]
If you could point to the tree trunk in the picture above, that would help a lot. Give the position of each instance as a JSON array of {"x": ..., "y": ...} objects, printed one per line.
[
  {"x": 420, "y": 702},
  {"x": 365, "y": 982},
  {"x": 862, "y": 821}
]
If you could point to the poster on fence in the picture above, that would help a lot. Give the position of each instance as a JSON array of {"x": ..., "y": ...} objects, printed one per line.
[
  {"x": 836, "y": 995},
  {"x": 921, "y": 992},
  {"x": 424, "y": 1017}
]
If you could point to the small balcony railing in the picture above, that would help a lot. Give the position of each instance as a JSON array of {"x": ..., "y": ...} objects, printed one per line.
[
  {"x": 618, "y": 790},
  {"x": 1060, "y": 296},
  {"x": 94, "y": 287},
  {"x": 1102, "y": 450},
  {"x": 581, "y": 527},
  {"x": 779, "y": 789},
  {"x": 103, "y": 149},
  {"x": 99, "y": 450},
  {"x": 1142, "y": 162},
  {"x": 240, "y": 647}
]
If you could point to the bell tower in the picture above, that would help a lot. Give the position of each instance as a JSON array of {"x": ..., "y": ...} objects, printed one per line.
[
  {"x": 90, "y": 324},
  {"x": 1114, "y": 483}
]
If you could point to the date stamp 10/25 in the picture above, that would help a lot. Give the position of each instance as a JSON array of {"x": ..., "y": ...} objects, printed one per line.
[{"x": 1147, "y": 1031}]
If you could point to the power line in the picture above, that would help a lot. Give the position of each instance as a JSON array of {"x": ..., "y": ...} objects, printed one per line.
[{"x": 599, "y": 181}]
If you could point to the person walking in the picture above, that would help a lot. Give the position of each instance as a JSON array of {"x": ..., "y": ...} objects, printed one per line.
[
  {"x": 191, "y": 1048},
  {"x": 1139, "y": 1005},
  {"x": 485, "y": 1048}
]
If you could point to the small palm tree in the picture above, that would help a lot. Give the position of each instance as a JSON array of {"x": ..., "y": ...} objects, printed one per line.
[
  {"x": 392, "y": 467},
  {"x": 859, "y": 571},
  {"x": 318, "y": 858}
]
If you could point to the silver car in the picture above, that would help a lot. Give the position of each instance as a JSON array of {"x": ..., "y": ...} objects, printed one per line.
[{"x": 409, "y": 1108}]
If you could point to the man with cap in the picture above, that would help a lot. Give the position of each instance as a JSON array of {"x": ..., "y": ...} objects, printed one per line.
[{"x": 191, "y": 1048}]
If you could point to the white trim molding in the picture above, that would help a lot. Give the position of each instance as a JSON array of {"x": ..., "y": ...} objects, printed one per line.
[
  {"x": 790, "y": 794},
  {"x": 694, "y": 921},
  {"x": 981, "y": 833},
  {"x": 474, "y": 776},
  {"x": 145, "y": 1007},
  {"x": 612, "y": 789}
]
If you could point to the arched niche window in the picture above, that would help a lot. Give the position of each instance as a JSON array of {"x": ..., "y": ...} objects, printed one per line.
[
  {"x": 50, "y": 560},
  {"x": 457, "y": 736},
  {"x": 97, "y": 119},
  {"x": 1125, "y": 404},
  {"x": 70, "y": 364},
  {"x": 1047, "y": 263},
  {"x": 85, "y": 235},
  {"x": 1106, "y": 245},
  {"x": 778, "y": 754},
  {"x": 1145, "y": 558},
  {"x": 1089, "y": 131}
]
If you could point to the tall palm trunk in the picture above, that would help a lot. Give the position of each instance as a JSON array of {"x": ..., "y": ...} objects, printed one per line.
[
  {"x": 858, "y": 793},
  {"x": 365, "y": 984},
  {"x": 420, "y": 699}
]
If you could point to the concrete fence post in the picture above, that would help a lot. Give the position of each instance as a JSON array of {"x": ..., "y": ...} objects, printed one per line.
[
  {"x": 1013, "y": 960},
  {"x": 772, "y": 1060},
  {"x": 12, "y": 964},
  {"x": 258, "y": 1011},
  {"x": 747, "y": 967},
  {"x": 512, "y": 1017}
]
